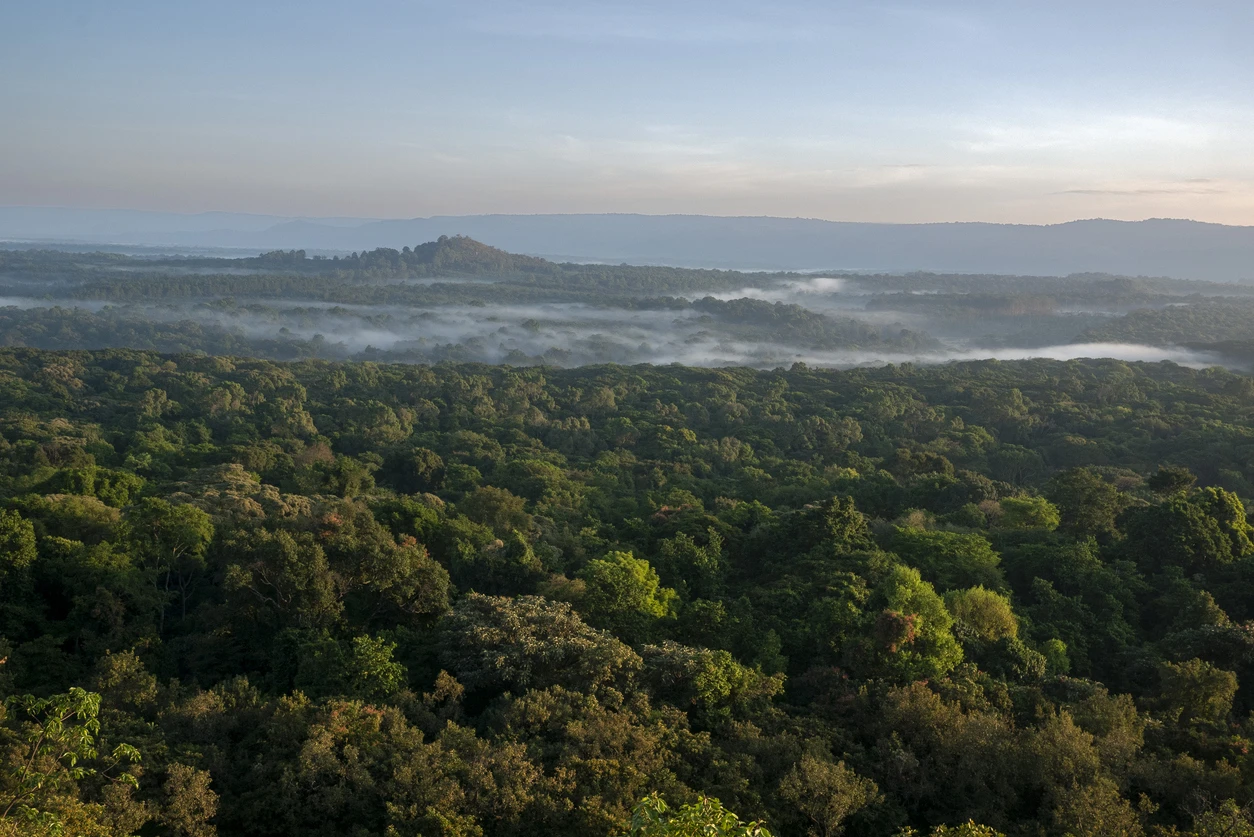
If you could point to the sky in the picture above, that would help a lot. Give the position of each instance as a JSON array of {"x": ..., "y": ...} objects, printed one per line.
[{"x": 1007, "y": 111}]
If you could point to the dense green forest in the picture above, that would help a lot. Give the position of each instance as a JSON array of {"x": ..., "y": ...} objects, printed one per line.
[
  {"x": 243, "y": 597},
  {"x": 1209, "y": 321}
]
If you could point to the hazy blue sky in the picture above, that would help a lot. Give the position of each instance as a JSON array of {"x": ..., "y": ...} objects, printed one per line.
[{"x": 891, "y": 111}]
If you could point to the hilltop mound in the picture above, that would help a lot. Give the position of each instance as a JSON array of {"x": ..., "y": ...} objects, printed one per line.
[{"x": 457, "y": 255}]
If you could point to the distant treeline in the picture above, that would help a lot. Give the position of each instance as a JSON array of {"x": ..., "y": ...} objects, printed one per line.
[{"x": 447, "y": 257}]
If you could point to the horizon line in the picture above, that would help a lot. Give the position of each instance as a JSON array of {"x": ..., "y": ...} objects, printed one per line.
[{"x": 366, "y": 219}]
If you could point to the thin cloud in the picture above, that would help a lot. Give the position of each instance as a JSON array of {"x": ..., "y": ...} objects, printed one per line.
[
  {"x": 1077, "y": 133},
  {"x": 1140, "y": 188},
  {"x": 1167, "y": 191}
]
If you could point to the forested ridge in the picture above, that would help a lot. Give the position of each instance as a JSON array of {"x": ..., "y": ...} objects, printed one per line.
[
  {"x": 251, "y": 598},
  {"x": 450, "y": 257}
]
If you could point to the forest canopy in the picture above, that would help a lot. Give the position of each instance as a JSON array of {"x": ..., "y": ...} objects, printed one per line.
[{"x": 246, "y": 597}]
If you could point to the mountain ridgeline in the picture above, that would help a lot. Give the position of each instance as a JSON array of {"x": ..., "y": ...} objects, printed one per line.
[{"x": 1185, "y": 249}]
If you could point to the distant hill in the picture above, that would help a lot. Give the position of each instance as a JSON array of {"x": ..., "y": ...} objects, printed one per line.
[
  {"x": 1160, "y": 247},
  {"x": 460, "y": 255}
]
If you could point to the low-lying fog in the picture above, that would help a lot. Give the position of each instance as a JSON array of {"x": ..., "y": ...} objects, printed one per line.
[{"x": 820, "y": 321}]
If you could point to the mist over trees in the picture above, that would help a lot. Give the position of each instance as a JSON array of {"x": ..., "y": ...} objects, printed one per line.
[{"x": 456, "y": 299}]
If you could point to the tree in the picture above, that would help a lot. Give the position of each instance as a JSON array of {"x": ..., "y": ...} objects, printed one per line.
[
  {"x": 53, "y": 749},
  {"x": 362, "y": 668},
  {"x": 509, "y": 565},
  {"x": 414, "y": 471},
  {"x": 827, "y": 794},
  {"x": 1010, "y": 658},
  {"x": 1056, "y": 660},
  {"x": 173, "y": 539},
  {"x": 1196, "y": 691},
  {"x": 125, "y": 684},
  {"x": 1170, "y": 479},
  {"x": 1096, "y": 810},
  {"x": 385, "y": 579},
  {"x": 497, "y": 508},
  {"x": 279, "y": 580},
  {"x": 492, "y": 642},
  {"x": 701, "y": 568},
  {"x": 981, "y": 614},
  {"x": 913, "y": 631},
  {"x": 17, "y": 542},
  {"x": 17, "y": 555},
  {"x": 1176, "y": 533},
  {"x": 1227, "y": 509},
  {"x": 625, "y": 594},
  {"x": 190, "y": 802},
  {"x": 1028, "y": 513},
  {"x": 706, "y": 817},
  {"x": 711, "y": 683},
  {"x": 950, "y": 560},
  {"x": 1087, "y": 504},
  {"x": 1226, "y": 820},
  {"x": 835, "y": 522}
]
